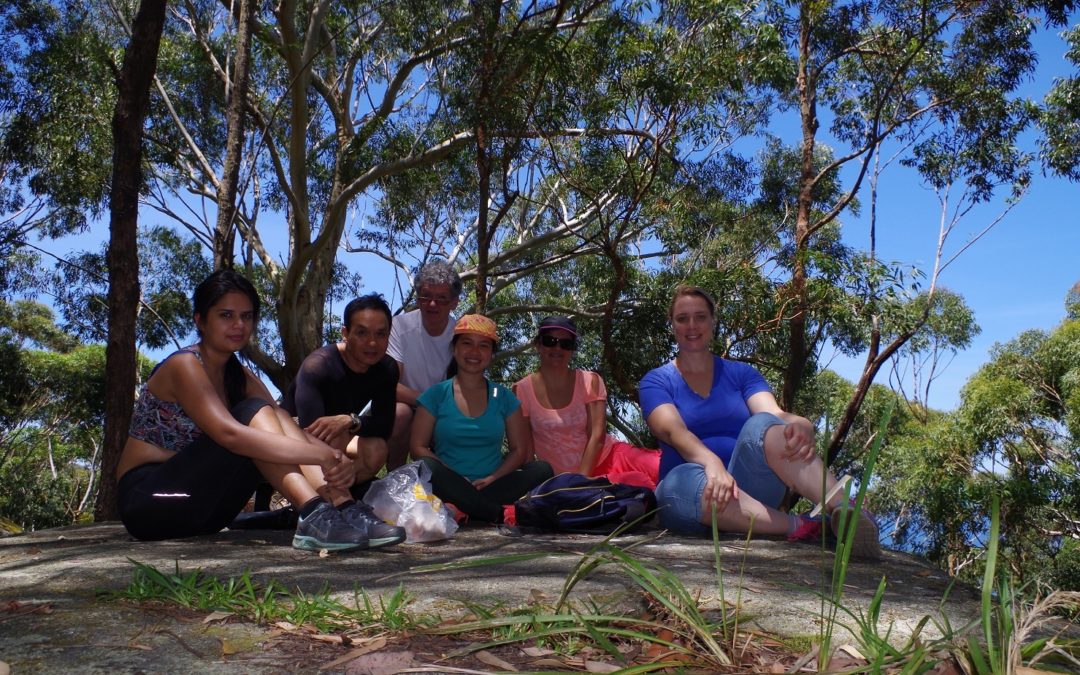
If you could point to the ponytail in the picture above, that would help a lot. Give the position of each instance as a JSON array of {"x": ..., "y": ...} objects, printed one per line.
[{"x": 235, "y": 381}]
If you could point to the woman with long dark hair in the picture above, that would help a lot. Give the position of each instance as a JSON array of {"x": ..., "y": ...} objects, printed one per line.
[{"x": 205, "y": 431}]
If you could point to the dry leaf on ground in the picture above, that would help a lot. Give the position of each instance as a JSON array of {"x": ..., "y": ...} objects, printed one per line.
[
  {"x": 380, "y": 663},
  {"x": 362, "y": 647},
  {"x": 537, "y": 651},
  {"x": 492, "y": 660},
  {"x": 217, "y": 616}
]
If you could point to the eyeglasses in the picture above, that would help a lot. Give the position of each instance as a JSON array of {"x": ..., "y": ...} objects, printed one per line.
[
  {"x": 439, "y": 300},
  {"x": 569, "y": 344}
]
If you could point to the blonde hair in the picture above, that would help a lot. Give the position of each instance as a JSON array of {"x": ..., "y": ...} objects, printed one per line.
[{"x": 683, "y": 290}]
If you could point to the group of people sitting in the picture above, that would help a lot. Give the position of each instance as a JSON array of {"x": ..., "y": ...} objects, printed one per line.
[{"x": 206, "y": 431}]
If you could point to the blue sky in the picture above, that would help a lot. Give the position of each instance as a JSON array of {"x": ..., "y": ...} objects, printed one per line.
[{"x": 1014, "y": 278}]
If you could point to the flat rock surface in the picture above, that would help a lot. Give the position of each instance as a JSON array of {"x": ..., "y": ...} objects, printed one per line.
[{"x": 54, "y": 618}]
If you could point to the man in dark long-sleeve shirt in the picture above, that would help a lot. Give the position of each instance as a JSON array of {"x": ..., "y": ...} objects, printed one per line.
[{"x": 344, "y": 393}]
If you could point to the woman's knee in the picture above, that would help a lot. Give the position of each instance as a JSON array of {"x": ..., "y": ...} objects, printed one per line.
[
  {"x": 678, "y": 497},
  {"x": 753, "y": 432}
]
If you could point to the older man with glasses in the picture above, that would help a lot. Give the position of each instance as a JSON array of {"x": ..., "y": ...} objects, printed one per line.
[{"x": 420, "y": 343}]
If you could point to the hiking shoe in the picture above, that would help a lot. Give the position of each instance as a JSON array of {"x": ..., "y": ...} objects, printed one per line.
[
  {"x": 379, "y": 533},
  {"x": 327, "y": 529},
  {"x": 809, "y": 529},
  {"x": 866, "y": 541}
]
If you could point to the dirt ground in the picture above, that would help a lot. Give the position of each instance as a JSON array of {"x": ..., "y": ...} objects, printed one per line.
[{"x": 53, "y": 615}]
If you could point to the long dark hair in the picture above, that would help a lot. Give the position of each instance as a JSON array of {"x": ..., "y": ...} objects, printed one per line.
[{"x": 206, "y": 295}]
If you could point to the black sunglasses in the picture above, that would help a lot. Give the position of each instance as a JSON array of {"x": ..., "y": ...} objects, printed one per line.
[{"x": 569, "y": 344}]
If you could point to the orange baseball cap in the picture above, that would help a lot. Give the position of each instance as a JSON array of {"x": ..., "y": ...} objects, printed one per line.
[{"x": 477, "y": 324}]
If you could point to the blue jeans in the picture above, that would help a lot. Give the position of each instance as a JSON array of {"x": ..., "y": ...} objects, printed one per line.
[{"x": 679, "y": 493}]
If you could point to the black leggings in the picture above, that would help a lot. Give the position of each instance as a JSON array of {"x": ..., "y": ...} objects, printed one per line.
[
  {"x": 199, "y": 490},
  {"x": 487, "y": 504}
]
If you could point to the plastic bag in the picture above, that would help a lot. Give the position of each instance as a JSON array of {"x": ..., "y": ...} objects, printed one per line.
[{"x": 404, "y": 497}]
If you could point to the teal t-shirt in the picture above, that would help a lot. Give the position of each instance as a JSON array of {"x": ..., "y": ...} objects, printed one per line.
[{"x": 471, "y": 446}]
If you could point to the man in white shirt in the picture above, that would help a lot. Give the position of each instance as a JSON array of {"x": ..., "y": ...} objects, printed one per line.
[{"x": 420, "y": 343}]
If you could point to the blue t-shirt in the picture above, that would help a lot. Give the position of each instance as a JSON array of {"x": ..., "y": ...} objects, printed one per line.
[
  {"x": 715, "y": 420},
  {"x": 471, "y": 446}
]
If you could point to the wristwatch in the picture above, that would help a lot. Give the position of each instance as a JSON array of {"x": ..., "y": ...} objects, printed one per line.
[{"x": 354, "y": 428}]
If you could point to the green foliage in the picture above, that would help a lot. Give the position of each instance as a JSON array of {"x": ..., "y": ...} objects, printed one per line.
[
  {"x": 55, "y": 139},
  {"x": 51, "y": 417},
  {"x": 170, "y": 268},
  {"x": 49, "y": 440},
  {"x": 1065, "y": 573},
  {"x": 1060, "y": 120},
  {"x": 1013, "y": 439}
]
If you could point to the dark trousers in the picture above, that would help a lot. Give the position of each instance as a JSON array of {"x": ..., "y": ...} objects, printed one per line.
[
  {"x": 199, "y": 490},
  {"x": 487, "y": 504}
]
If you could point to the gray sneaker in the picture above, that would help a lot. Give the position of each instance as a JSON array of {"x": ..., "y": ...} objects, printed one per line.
[
  {"x": 866, "y": 539},
  {"x": 326, "y": 529},
  {"x": 379, "y": 533}
]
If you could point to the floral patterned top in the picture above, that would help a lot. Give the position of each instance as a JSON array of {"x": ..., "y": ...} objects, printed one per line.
[{"x": 163, "y": 423}]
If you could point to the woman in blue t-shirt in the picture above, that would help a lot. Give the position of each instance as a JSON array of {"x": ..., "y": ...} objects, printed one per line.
[
  {"x": 727, "y": 444},
  {"x": 459, "y": 428}
]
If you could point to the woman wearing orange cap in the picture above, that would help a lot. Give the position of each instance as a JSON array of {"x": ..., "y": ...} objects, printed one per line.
[{"x": 459, "y": 429}]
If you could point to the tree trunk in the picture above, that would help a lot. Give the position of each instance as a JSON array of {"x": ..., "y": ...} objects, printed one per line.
[
  {"x": 225, "y": 232},
  {"x": 487, "y": 21},
  {"x": 133, "y": 84},
  {"x": 798, "y": 351}
]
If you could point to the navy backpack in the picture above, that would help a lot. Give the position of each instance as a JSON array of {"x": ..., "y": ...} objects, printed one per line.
[{"x": 571, "y": 502}]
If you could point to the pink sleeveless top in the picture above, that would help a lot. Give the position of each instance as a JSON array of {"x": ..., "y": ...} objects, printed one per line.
[{"x": 559, "y": 436}]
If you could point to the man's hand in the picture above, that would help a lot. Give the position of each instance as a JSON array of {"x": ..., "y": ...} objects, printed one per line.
[{"x": 332, "y": 430}]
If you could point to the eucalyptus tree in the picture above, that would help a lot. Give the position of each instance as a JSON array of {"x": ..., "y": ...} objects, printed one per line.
[
  {"x": 1060, "y": 120},
  {"x": 927, "y": 85},
  {"x": 52, "y": 408},
  {"x": 646, "y": 178}
]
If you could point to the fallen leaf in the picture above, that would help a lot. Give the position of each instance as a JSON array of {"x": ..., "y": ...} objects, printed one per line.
[
  {"x": 946, "y": 666},
  {"x": 492, "y": 660},
  {"x": 323, "y": 553},
  {"x": 537, "y": 651},
  {"x": 852, "y": 651},
  {"x": 777, "y": 668},
  {"x": 840, "y": 661},
  {"x": 537, "y": 595},
  {"x": 217, "y": 616},
  {"x": 550, "y": 663},
  {"x": 365, "y": 647},
  {"x": 381, "y": 663},
  {"x": 332, "y": 639},
  {"x": 601, "y": 667},
  {"x": 285, "y": 625},
  {"x": 925, "y": 573}
]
